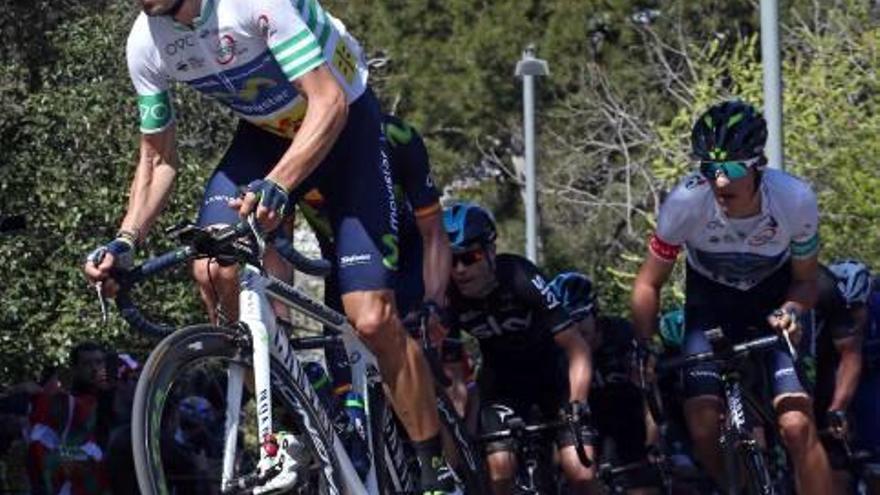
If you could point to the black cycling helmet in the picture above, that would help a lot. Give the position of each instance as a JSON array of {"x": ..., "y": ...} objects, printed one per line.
[
  {"x": 731, "y": 130},
  {"x": 575, "y": 291},
  {"x": 467, "y": 223}
]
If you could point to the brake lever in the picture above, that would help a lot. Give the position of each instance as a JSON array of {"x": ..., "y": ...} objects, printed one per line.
[
  {"x": 102, "y": 300},
  {"x": 779, "y": 313}
]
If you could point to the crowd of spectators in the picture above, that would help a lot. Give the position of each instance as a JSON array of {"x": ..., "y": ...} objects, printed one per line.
[{"x": 68, "y": 431}]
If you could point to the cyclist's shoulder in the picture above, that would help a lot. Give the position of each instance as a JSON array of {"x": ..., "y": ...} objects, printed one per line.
[
  {"x": 512, "y": 267},
  {"x": 142, "y": 36},
  {"x": 692, "y": 191},
  {"x": 786, "y": 189}
]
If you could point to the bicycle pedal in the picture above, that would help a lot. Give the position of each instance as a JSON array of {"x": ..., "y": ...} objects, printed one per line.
[{"x": 287, "y": 455}]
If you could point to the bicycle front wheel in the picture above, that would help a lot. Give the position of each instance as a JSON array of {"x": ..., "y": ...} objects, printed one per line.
[{"x": 187, "y": 419}]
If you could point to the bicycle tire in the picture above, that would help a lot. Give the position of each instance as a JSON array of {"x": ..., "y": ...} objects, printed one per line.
[
  {"x": 395, "y": 471},
  {"x": 199, "y": 343},
  {"x": 758, "y": 480},
  {"x": 472, "y": 469}
]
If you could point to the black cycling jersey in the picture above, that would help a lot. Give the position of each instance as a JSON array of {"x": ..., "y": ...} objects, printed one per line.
[
  {"x": 516, "y": 322},
  {"x": 829, "y": 320},
  {"x": 612, "y": 359}
]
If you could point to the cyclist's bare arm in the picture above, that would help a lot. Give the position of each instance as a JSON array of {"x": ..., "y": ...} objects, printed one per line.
[
  {"x": 153, "y": 179},
  {"x": 325, "y": 118},
  {"x": 149, "y": 191},
  {"x": 578, "y": 354},
  {"x": 848, "y": 371},
  {"x": 803, "y": 291},
  {"x": 645, "y": 302},
  {"x": 437, "y": 256}
]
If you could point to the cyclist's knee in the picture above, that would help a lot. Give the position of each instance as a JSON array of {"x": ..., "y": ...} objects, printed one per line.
[
  {"x": 703, "y": 416},
  {"x": 796, "y": 430},
  {"x": 575, "y": 472},
  {"x": 502, "y": 466},
  {"x": 374, "y": 318}
]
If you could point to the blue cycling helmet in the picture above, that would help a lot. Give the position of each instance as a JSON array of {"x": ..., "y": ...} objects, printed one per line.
[
  {"x": 575, "y": 292},
  {"x": 467, "y": 223},
  {"x": 672, "y": 328}
]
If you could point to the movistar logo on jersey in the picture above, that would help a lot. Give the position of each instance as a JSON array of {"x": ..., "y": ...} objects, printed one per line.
[{"x": 398, "y": 134}]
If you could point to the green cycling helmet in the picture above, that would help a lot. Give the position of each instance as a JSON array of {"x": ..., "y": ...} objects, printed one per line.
[{"x": 672, "y": 328}]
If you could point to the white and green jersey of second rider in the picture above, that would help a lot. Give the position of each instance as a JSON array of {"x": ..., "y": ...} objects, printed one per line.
[
  {"x": 242, "y": 53},
  {"x": 738, "y": 252}
]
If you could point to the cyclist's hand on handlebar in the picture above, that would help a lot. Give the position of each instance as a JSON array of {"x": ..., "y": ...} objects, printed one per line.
[
  {"x": 838, "y": 423},
  {"x": 786, "y": 321},
  {"x": 644, "y": 364},
  {"x": 118, "y": 253},
  {"x": 268, "y": 199}
]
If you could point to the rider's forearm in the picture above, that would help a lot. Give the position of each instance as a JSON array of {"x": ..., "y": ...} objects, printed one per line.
[
  {"x": 801, "y": 296},
  {"x": 579, "y": 367},
  {"x": 324, "y": 120},
  {"x": 579, "y": 376},
  {"x": 152, "y": 183},
  {"x": 846, "y": 381},
  {"x": 437, "y": 258},
  {"x": 644, "y": 305},
  {"x": 803, "y": 290}
]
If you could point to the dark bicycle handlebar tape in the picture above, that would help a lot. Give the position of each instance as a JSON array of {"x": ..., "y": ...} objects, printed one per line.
[
  {"x": 133, "y": 316},
  {"x": 315, "y": 267}
]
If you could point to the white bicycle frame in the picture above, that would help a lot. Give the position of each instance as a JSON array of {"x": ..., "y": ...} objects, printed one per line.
[{"x": 257, "y": 314}]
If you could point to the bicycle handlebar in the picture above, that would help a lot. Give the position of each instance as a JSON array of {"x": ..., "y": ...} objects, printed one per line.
[
  {"x": 738, "y": 350},
  {"x": 198, "y": 243}
]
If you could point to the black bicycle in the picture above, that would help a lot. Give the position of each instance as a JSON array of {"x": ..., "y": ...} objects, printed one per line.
[
  {"x": 742, "y": 450},
  {"x": 534, "y": 449}
]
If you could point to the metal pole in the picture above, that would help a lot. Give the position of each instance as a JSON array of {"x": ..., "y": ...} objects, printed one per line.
[
  {"x": 772, "y": 82},
  {"x": 529, "y": 67},
  {"x": 531, "y": 192}
]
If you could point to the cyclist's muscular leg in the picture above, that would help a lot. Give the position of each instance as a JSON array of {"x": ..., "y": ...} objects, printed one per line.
[
  {"x": 401, "y": 363},
  {"x": 703, "y": 416},
  {"x": 218, "y": 285},
  {"x": 798, "y": 431},
  {"x": 581, "y": 480},
  {"x": 502, "y": 471}
]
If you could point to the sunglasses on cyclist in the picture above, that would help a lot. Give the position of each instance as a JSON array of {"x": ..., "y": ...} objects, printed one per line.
[
  {"x": 733, "y": 170},
  {"x": 468, "y": 258}
]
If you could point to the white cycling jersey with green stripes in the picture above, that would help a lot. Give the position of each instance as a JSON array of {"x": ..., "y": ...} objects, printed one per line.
[{"x": 243, "y": 53}]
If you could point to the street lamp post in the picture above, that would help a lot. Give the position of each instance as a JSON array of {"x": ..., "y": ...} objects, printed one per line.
[
  {"x": 772, "y": 81},
  {"x": 528, "y": 67}
]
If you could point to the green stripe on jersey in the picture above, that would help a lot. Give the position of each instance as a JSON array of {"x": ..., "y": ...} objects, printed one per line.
[
  {"x": 294, "y": 71},
  {"x": 805, "y": 249},
  {"x": 281, "y": 48},
  {"x": 155, "y": 111}
]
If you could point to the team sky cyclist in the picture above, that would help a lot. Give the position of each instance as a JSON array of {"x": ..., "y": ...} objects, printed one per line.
[
  {"x": 832, "y": 337},
  {"x": 618, "y": 412},
  {"x": 533, "y": 355},
  {"x": 424, "y": 253},
  {"x": 751, "y": 239},
  {"x": 297, "y": 80}
]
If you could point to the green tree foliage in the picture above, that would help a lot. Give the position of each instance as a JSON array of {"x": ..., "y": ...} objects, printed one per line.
[
  {"x": 69, "y": 144},
  {"x": 627, "y": 79}
]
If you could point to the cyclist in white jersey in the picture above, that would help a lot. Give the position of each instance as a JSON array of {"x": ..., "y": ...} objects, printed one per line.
[
  {"x": 751, "y": 239},
  {"x": 298, "y": 83}
]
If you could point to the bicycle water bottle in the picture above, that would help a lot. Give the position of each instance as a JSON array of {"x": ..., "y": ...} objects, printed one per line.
[
  {"x": 321, "y": 384},
  {"x": 357, "y": 441}
]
